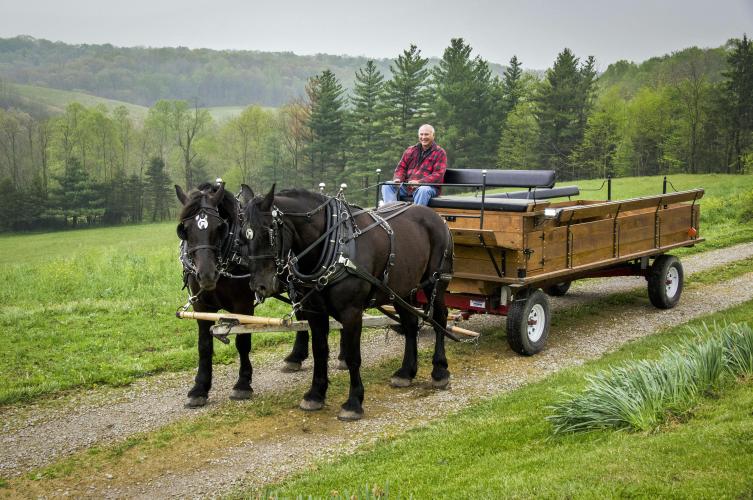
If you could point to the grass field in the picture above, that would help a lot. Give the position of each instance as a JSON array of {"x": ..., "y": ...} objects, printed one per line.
[
  {"x": 505, "y": 448},
  {"x": 95, "y": 306},
  {"x": 56, "y": 101}
]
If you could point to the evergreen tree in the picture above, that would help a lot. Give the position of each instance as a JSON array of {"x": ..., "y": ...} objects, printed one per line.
[
  {"x": 326, "y": 150},
  {"x": 407, "y": 97},
  {"x": 517, "y": 144},
  {"x": 512, "y": 87},
  {"x": 563, "y": 104},
  {"x": 739, "y": 96},
  {"x": 157, "y": 190},
  {"x": 75, "y": 197},
  {"x": 367, "y": 127},
  {"x": 463, "y": 107}
]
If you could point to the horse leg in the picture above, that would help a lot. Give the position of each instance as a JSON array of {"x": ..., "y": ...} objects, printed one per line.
[
  {"x": 404, "y": 376},
  {"x": 440, "y": 375},
  {"x": 294, "y": 360},
  {"x": 314, "y": 398},
  {"x": 341, "y": 363},
  {"x": 352, "y": 320},
  {"x": 242, "y": 388},
  {"x": 198, "y": 395}
]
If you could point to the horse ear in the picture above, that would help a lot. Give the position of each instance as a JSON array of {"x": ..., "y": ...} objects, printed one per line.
[
  {"x": 266, "y": 205},
  {"x": 181, "y": 194},
  {"x": 247, "y": 194},
  {"x": 216, "y": 198}
]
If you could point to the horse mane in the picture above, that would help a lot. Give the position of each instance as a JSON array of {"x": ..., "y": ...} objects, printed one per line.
[
  {"x": 302, "y": 193},
  {"x": 226, "y": 206}
]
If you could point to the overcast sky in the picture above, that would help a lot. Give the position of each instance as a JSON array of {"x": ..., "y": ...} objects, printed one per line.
[{"x": 534, "y": 30}]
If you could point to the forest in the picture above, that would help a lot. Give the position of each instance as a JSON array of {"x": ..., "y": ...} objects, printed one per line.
[{"x": 688, "y": 112}]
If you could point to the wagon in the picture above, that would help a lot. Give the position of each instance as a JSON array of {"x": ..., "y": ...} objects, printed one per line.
[{"x": 513, "y": 249}]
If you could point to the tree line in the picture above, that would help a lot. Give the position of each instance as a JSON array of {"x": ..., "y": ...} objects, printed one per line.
[{"x": 690, "y": 112}]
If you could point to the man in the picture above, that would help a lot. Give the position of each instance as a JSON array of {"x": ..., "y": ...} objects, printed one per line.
[{"x": 424, "y": 162}]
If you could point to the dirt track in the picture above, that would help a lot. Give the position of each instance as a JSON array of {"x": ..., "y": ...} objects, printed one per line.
[{"x": 42, "y": 433}]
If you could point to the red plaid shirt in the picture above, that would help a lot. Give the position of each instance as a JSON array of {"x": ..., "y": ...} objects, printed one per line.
[{"x": 430, "y": 170}]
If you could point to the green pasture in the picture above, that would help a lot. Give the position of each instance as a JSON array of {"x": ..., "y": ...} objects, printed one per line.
[
  {"x": 57, "y": 100},
  {"x": 505, "y": 448},
  {"x": 96, "y": 306}
]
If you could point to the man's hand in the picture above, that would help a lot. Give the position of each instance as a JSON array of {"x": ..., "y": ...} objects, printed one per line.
[{"x": 413, "y": 182}]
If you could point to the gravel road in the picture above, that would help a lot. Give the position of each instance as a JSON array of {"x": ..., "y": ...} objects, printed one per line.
[{"x": 38, "y": 434}]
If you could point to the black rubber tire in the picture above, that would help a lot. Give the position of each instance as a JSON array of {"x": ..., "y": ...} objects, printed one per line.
[
  {"x": 534, "y": 303},
  {"x": 559, "y": 289},
  {"x": 660, "y": 280}
]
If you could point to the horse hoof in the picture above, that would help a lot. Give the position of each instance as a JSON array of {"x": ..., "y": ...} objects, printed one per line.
[
  {"x": 311, "y": 405},
  {"x": 196, "y": 402},
  {"x": 241, "y": 394},
  {"x": 349, "y": 415},
  {"x": 292, "y": 366},
  {"x": 341, "y": 364},
  {"x": 441, "y": 384},
  {"x": 400, "y": 382}
]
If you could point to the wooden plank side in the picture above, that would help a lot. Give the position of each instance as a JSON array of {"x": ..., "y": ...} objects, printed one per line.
[
  {"x": 470, "y": 285},
  {"x": 470, "y": 237},
  {"x": 476, "y": 266},
  {"x": 611, "y": 207},
  {"x": 495, "y": 221}
]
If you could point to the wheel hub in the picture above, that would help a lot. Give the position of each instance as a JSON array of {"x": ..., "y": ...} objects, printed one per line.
[{"x": 536, "y": 322}]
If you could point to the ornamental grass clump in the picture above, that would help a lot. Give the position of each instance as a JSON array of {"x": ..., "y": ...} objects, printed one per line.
[
  {"x": 738, "y": 344},
  {"x": 640, "y": 395}
]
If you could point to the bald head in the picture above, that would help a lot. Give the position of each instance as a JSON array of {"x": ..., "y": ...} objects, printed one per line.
[{"x": 426, "y": 135}]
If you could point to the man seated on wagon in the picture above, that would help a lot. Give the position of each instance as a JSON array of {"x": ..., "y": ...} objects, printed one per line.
[{"x": 424, "y": 162}]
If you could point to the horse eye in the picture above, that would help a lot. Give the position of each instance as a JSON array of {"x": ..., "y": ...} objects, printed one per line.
[{"x": 249, "y": 234}]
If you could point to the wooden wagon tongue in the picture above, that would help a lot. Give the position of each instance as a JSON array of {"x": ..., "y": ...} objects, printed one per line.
[{"x": 235, "y": 324}]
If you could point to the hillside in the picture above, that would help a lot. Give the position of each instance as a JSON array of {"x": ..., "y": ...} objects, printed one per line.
[
  {"x": 40, "y": 101},
  {"x": 141, "y": 75}
]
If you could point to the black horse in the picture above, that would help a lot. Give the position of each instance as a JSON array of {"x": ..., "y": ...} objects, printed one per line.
[
  {"x": 334, "y": 260},
  {"x": 218, "y": 278}
]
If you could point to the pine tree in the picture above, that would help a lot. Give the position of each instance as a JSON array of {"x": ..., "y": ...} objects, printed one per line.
[
  {"x": 326, "y": 150},
  {"x": 75, "y": 197},
  {"x": 563, "y": 105},
  {"x": 368, "y": 148},
  {"x": 463, "y": 107},
  {"x": 512, "y": 86},
  {"x": 407, "y": 97},
  {"x": 157, "y": 190},
  {"x": 739, "y": 96},
  {"x": 517, "y": 144}
]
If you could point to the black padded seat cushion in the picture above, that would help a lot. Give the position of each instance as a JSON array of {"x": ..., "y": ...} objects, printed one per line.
[
  {"x": 539, "y": 194},
  {"x": 474, "y": 203},
  {"x": 501, "y": 178}
]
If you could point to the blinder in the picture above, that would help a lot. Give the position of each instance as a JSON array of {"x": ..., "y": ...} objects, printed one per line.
[{"x": 181, "y": 230}]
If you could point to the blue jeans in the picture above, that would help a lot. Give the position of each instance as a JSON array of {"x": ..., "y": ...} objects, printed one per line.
[{"x": 421, "y": 195}]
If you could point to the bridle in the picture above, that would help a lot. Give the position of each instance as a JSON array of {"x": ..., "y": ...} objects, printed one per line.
[
  {"x": 226, "y": 251},
  {"x": 337, "y": 213}
]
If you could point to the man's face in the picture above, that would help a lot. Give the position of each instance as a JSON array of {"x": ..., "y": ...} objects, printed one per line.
[{"x": 425, "y": 136}]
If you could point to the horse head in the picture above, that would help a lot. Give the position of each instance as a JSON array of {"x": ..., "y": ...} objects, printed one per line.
[
  {"x": 204, "y": 230},
  {"x": 263, "y": 232}
]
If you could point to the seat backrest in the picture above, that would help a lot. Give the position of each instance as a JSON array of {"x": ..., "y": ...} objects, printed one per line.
[
  {"x": 501, "y": 178},
  {"x": 539, "y": 194}
]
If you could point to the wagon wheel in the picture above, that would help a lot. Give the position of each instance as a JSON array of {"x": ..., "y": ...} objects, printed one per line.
[
  {"x": 665, "y": 282},
  {"x": 558, "y": 289},
  {"x": 528, "y": 322}
]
